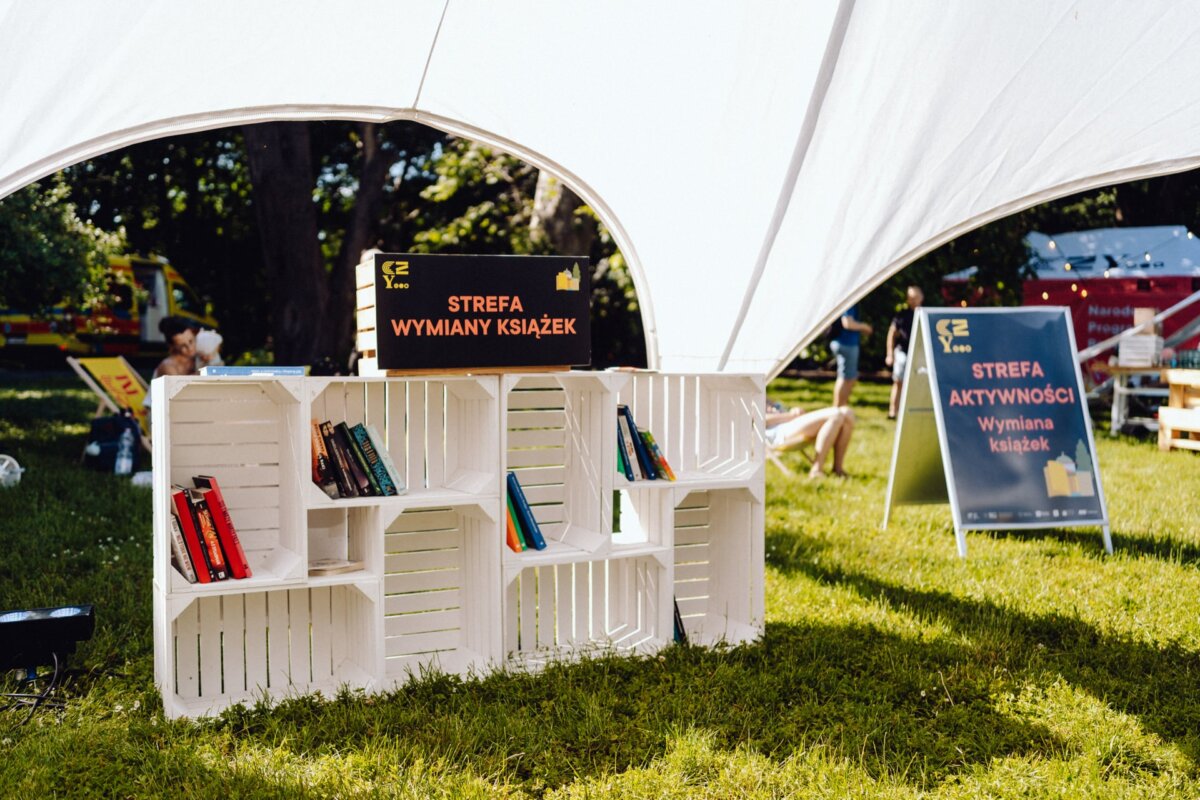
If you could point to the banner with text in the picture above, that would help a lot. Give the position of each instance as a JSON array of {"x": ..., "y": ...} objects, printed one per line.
[
  {"x": 438, "y": 312},
  {"x": 1000, "y": 391}
]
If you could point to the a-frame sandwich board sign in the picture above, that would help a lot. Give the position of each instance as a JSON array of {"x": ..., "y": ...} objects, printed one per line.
[{"x": 993, "y": 419}]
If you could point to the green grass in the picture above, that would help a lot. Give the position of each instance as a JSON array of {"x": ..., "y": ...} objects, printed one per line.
[{"x": 890, "y": 668}]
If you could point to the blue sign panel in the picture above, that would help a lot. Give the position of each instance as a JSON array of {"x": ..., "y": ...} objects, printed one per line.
[{"x": 1018, "y": 443}]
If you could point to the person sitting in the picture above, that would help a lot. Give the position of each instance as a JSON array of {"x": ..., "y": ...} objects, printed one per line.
[
  {"x": 181, "y": 348},
  {"x": 830, "y": 429}
]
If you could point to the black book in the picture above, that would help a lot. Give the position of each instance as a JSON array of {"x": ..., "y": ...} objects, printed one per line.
[
  {"x": 345, "y": 442},
  {"x": 337, "y": 459}
]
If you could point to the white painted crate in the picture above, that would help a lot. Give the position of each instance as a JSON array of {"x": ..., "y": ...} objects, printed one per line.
[
  {"x": 440, "y": 585},
  {"x": 710, "y": 427},
  {"x": 240, "y": 647},
  {"x": 562, "y": 611},
  {"x": 719, "y": 563},
  {"x": 247, "y": 434},
  {"x": 440, "y": 432},
  {"x": 350, "y": 534},
  {"x": 560, "y": 441}
]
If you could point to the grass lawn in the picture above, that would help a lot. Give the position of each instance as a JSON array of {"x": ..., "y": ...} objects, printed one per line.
[{"x": 890, "y": 668}]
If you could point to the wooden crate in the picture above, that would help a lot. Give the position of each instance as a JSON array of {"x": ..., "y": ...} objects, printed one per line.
[
  {"x": 247, "y": 434},
  {"x": 560, "y": 442},
  {"x": 719, "y": 563},
  {"x": 1179, "y": 420},
  {"x": 440, "y": 432},
  {"x": 243, "y": 646},
  {"x": 562, "y": 611},
  {"x": 441, "y": 575}
]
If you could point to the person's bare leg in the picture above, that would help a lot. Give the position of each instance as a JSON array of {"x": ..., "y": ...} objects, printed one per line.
[
  {"x": 841, "y": 391},
  {"x": 894, "y": 404},
  {"x": 827, "y": 436},
  {"x": 842, "y": 443}
]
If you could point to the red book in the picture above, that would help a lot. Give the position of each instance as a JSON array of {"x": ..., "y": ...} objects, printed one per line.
[
  {"x": 182, "y": 510},
  {"x": 206, "y": 526},
  {"x": 239, "y": 567}
]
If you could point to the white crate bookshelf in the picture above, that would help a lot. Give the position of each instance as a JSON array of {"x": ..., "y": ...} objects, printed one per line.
[{"x": 438, "y": 588}]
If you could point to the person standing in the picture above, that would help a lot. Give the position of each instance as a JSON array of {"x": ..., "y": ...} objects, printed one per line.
[
  {"x": 898, "y": 335},
  {"x": 845, "y": 347}
]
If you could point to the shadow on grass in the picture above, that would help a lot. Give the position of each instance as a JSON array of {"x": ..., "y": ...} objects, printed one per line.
[
  {"x": 899, "y": 709},
  {"x": 1163, "y": 549},
  {"x": 1158, "y": 684}
]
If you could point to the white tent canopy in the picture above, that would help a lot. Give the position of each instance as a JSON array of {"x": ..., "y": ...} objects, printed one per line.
[{"x": 831, "y": 143}]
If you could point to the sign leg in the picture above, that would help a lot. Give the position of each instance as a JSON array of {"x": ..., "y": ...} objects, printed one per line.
[
  {"x": 1107, "y": 539},
  {"x": 960, "y": 537}
]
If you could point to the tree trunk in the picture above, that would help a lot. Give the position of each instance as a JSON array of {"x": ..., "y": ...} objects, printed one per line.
[
  {"x": 359, "y": 236},
  {"x": 281, "y": 168},
  {"x": 554, "y": 221}
]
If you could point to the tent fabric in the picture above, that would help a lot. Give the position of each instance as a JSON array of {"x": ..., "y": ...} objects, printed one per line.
[{"x": 761, "y": 164}]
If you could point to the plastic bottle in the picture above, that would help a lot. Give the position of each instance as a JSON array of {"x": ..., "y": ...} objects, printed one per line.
[{"x": 124, "y": 462}]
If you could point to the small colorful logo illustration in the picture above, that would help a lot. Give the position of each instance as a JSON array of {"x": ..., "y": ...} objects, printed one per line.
[
  {"x": 567, "y": 280},
  {"x": 1070, "y": 478}
]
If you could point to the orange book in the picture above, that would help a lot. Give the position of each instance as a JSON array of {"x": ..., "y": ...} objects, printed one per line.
[
  {"x": 514, "y": 543},
  {"x": 235, "y": 556}
]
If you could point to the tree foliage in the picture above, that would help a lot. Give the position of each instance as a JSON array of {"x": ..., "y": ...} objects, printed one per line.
[{"x": 47, "y": 253}]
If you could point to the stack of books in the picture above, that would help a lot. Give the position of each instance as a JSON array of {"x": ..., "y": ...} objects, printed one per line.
[
  {"x": 351, "y": 461},
  {"x": 204, "y": 543},
  {"x": 638, "y": 454},
  {"x": 522, "y": 531}
]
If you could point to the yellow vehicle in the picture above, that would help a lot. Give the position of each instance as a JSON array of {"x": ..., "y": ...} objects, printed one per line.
[{"x": 141, "y": 291}]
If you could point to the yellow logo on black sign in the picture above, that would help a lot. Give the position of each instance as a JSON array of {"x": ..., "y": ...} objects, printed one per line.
[
  {"x": 950, "y": 330},
  {"x": 392, "y": 271}
]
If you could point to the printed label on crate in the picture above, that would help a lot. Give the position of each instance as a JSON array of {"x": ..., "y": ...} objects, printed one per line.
[
  {"x": 460, "y": 312},
  {"x": 1000, "y": 391}
]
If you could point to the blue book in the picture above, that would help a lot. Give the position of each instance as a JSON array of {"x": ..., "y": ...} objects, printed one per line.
[
  {"x": 639, "y": 446},
  {"x": 266, "y": 370},
  {"x": 524, "y": 514},
  {"x": 374, "y": 463},
  {"x": 623, "y": 456}
]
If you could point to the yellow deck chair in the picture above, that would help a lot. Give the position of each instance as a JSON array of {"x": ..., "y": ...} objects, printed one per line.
[
  {"x": 118, "y": 386},
  {"x": 806, "y": 450}
]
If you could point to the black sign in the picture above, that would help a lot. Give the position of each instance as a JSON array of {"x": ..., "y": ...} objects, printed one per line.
[
  {"x": 437, "y": 312},
  {"x": 1019, "y": 445}
]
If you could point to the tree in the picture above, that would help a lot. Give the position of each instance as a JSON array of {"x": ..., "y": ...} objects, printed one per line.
[{"x": 47, "y": 253}]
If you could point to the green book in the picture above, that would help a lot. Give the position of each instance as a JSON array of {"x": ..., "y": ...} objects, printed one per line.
[{"x": 517, "y": 525}]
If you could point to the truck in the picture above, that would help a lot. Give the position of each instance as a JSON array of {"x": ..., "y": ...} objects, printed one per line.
[{"x": 140, "y": 292}]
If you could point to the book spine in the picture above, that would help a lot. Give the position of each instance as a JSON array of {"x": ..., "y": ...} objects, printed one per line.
[
  {"x": 635, "y": 465},
  {"x": 623, "y": 453},
  {"x": 680, "y": 631},
  {"x": 659, "y": 458},
  {"x": 183, "y": 513},
  {"x": 207, "y": 528},
  {"x": 638, "y": 447},
  {"x": 525, "y": 513},
  {"x": 510, "y": 532},
  {"x": 321, "y": 468},
  {"x": 522, "y": 541},
  {"x": 341, "y": 470},
  {"x": 660, "y": 470},
  {"x": 386, "y": 458},
  {"x": 231, "y": 543},
  {"x": 179, "y": 553},
  {"x": 375, "y": 469},
  {"x": 343, "y": 439}
]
